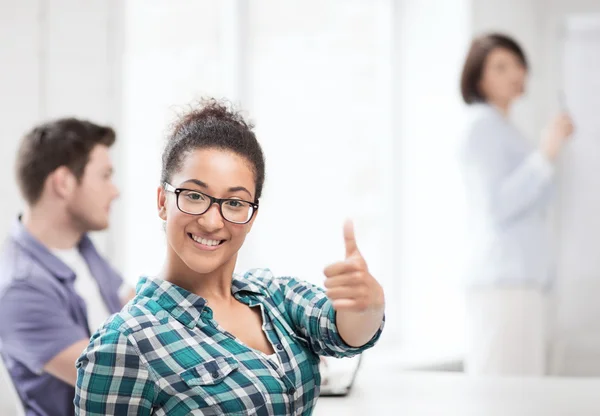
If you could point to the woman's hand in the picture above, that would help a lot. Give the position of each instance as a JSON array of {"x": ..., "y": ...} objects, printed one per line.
[
  {"x": 356, "y": 296},
  {"x": 556, "y": 135},
  {"x": 349, "y": 284}
]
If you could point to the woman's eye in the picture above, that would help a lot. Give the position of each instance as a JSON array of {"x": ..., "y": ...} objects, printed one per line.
[
  {"x": 194, "y": 196},
  {"x": 235, "y": 204}
]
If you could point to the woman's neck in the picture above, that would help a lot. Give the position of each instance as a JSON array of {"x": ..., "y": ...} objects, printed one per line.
[
  {"x": 502, "y": 107},
  {"x": 213, "y": 286}
]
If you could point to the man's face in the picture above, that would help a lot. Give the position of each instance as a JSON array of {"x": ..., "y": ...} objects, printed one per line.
[{"x": 90, "y": 203}]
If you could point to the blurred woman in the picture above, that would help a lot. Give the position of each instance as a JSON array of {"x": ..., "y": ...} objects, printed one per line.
[{"x": 509, "y": 184}]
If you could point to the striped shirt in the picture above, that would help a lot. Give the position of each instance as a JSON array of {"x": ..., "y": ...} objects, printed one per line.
[{"x": 164, "y": 354}]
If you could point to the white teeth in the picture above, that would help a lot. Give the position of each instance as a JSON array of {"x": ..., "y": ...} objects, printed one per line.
[{"x": 205, "y": 241}]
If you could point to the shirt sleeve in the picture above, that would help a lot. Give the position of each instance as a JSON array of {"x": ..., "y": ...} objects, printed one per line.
[
  {"x": 111, "y": 379},
  {"x": 313, "y": 317},
  {"x": 35, "y": 325},
  {"x": 511, "y": 189}
]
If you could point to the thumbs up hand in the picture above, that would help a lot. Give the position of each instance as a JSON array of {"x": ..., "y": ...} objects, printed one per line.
[{"x": 349, "y": 284}]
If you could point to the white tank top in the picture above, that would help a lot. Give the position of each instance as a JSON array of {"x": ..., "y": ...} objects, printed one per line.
[{"x": 85, "y": 286}]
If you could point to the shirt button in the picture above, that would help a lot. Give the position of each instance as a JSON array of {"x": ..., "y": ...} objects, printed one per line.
[
  {"x": 291, "y": 391},
  {"x": 279, "y": 347},
  {"x": 215, "y": 375}
]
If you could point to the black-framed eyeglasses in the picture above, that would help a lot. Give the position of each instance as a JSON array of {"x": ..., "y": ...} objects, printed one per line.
[{"x": 190, "y": 201}]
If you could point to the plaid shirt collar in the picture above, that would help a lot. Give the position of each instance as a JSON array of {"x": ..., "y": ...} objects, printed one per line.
[{"x": 184, "y": 306}]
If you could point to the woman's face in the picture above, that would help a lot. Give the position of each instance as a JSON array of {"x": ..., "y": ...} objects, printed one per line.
[
  {"x": 206, "y": 243},
  {"x": 503, "y": 77}
]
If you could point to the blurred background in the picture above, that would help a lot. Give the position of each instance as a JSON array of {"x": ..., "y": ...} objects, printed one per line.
[{"x": 357, "y": 106}]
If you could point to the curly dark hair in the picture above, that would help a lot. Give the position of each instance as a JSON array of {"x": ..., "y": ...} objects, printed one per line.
[{"x": 213, "y": 124}]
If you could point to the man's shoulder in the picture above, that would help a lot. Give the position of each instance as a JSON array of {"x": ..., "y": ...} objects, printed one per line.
[{"x": 18, "y": 265}]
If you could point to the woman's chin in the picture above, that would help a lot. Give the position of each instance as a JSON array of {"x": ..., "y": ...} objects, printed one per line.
[{"x": 205, "y": 265}]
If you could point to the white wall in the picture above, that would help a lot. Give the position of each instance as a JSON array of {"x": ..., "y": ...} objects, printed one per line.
[
  {"x": 577, "y": 313},
  {"x": 431, "y": 39},
  {"x": 578, "y": 286},
  {"x": 555, "y": 13}
]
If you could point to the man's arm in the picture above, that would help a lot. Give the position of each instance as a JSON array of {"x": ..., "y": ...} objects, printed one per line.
[
  {"x": 62, "y": 365},
  {"x": 38, "y": 331},
  {"x": 126, "y": 293}
]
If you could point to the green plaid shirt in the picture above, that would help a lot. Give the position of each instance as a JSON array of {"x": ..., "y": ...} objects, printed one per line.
[{"x": 165, "y": 355}]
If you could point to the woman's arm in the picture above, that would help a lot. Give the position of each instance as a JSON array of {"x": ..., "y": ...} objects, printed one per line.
[
  {"x": 111, "y": 378},
  {"x": 357, "y": 297},
  {"x": 509, "y": 192},
  {"x": 345, "y": 320}
]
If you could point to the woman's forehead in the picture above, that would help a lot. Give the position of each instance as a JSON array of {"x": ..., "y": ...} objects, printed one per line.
[{"x": 217, "y": 169}]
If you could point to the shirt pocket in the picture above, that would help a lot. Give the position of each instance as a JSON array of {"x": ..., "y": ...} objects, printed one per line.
[{"x": 224, "y": 387}]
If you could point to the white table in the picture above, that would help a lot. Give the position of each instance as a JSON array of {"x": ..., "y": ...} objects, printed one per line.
[{"x": 392, "y": 392}]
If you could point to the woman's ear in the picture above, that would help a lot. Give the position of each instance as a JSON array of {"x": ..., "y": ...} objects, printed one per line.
[{"x": 161, "y": 203}]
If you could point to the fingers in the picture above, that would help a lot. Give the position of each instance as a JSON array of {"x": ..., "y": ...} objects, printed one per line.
[
  {"x": 346, "y": 279},
  {"x": 346, "y": 304},
  {"x": 565, "y": 122},
  {"x": 341, "y": 292},
  {"x": 349, "y": 285},
  {"x": 350, "y": 239},
  {"x": 342, "y": 267}
]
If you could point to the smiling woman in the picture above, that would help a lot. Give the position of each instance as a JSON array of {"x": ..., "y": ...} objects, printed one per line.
[
  {"x": 201, "y": 338},
  {"x": 199, "y": 221}
]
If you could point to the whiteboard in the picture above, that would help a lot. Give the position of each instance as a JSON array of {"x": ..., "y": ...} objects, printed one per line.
[{"x": 578, "y": 245}]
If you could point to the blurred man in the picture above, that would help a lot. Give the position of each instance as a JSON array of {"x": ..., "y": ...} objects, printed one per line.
[{"x": 55, "y": 289}]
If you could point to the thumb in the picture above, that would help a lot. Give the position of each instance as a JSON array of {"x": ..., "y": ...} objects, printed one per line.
[{"x": 349, "y": 238}]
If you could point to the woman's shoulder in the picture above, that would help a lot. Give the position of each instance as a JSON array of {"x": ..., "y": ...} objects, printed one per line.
[
  {"x": 277, "y": 287},
  {"x": 485, "y": 130},
  {"x": 479, "y": 114},
  {"x": 260, "y": 280},
  {"x": 262, "y": 274},
  {"x": 263, "y": 280},
  {"x": 136, "y": 316}
]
